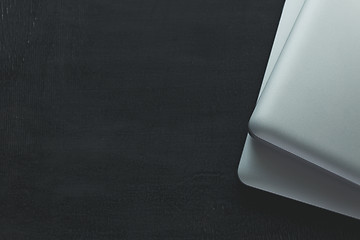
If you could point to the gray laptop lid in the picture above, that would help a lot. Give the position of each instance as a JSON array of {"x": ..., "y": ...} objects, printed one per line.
[
  {"x": 309, "y": 106},
  {"x": 265, "y": 168}
]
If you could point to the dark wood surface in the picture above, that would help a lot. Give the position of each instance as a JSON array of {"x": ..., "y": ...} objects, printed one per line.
[{"x": 126, "y": 120}]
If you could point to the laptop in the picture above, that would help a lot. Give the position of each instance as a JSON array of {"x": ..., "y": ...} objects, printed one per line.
[{"x": 272, "y": 165}]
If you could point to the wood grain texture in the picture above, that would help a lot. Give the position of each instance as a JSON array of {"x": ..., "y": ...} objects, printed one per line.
[{"x": 126, "y": 120}]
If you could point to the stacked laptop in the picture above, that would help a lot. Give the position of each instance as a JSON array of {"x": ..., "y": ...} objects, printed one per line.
[{"x": 304, "y": 134}]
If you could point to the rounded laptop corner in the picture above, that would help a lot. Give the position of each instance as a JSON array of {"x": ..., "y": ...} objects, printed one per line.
[
  {"x": 256, "y": 127},
  {"x": 242, "y": 175},
  {"x": 244, "y": 171}
]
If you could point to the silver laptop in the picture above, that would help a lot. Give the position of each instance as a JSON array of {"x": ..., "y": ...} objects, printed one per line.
[{"x": 270, "y": 166}]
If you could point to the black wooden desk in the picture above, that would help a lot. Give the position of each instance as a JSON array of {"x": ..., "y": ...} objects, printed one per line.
[{"x": 126, "y": 120}]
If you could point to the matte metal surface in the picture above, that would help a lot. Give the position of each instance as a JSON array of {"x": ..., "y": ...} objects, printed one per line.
[
  {"x": 309, "y": 107},
  {"x": 266, "y": 168}
]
